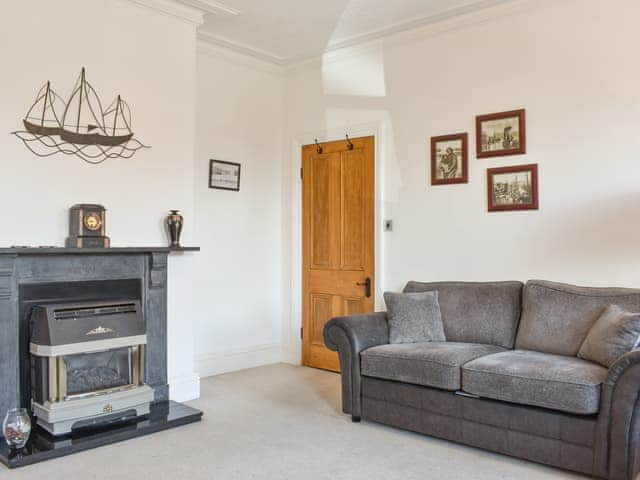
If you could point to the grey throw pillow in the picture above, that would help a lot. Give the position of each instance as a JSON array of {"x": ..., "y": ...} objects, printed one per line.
[
  {"x": 414, "y": 317},
  {"x": 615, "y": 333}
]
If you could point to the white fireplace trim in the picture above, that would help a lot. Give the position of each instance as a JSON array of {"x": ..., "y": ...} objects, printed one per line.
[{"x": 184, "y": 388}]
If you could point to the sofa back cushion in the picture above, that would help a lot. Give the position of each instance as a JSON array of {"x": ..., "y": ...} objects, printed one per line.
[
  {"x": 486, "y": 312},
  {"x": 414, "y": 317},
  {"x": 556, "y": 317},
  {"x": 614, "y": 333}
]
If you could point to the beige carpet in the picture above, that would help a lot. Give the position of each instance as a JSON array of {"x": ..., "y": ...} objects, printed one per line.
[{"x": 282, "y": 422}]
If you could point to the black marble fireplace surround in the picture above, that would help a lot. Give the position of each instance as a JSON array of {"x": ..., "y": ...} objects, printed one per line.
[{"x": 29, "y": 276}]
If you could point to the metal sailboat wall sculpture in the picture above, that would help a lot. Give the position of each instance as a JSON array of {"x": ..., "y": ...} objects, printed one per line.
[{"x": 80, "y": 126}]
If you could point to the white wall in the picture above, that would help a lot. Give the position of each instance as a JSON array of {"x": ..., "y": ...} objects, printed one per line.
[
  {"x": 238, "y": 286},
  {"x": 570, "y": 63},
  {"x": 149, "y": 58}
]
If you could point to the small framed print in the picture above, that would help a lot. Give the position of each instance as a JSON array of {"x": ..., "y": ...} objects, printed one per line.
[
  {"x": 224, "y": 175},
  {"x": 512, "y": 188},
  {"x": 449, "y": 161},
  {"x": 501, "y": 134}
]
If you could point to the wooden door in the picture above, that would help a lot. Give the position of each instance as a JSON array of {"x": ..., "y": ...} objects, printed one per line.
[{"x": 337, "y": 240}]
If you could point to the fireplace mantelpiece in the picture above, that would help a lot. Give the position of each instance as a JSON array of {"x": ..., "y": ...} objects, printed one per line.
[
  {"x": 91, "y": 251},
  {"x": 23, "y": 267}
]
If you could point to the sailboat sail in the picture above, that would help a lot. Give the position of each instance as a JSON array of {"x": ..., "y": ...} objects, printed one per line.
[
  {"x": 42, "y": 118},
  {"x": 117, "y": 122},
  {"x": 83, "y": 118}
]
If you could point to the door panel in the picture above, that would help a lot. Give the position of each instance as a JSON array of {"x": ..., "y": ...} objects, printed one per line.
[
  {"x": 353, "y": 198},
  {"x": 353, "y": 306},
  {"x": 320, "y": 172},
  {"x": 337, "y": 240},
  {"x": 321, "y": 312}
]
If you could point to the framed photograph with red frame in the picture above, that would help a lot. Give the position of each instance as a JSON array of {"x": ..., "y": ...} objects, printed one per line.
[
  {"x": 501, "y": 134},
  {"x": 449, "y": 159},
  {"x": 512, "y": 188}
]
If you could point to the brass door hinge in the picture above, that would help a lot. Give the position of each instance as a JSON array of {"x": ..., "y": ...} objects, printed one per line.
[
  {"x": 301, "y": 333},
  {"x": 301, "y": 173}
]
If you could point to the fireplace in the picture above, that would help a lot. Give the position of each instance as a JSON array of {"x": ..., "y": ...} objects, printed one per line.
[
  {"x": 88, "y": 364},
  {"x": 84, "y": 343}
]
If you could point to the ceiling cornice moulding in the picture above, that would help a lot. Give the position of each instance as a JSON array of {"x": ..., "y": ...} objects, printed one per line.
[
  {"x": 462, "y": 17},
  {"x": 211, "y": 50},
  {"x": 174, "y": 9},
  {"x": 503, "y": 8},
  {"x": 414, "y": 23},
  {"x": 236, "y": 47},
  {"x": 211, "y": 6}
]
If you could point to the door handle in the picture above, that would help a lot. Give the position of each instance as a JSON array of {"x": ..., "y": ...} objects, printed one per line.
[{"x": 367, "y": 286}]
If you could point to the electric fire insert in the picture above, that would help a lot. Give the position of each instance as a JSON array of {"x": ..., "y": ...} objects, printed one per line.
[{"x": 88, "y": 364}]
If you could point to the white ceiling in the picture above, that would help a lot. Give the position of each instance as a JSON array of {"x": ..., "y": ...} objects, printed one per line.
[{"x": 284, "y": 31}]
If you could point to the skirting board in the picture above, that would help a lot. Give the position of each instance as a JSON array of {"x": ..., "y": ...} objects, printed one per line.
[
  {"x": 185, "y": 388},
  {"x": 292, "y": 354},
  {"x": 241, "y": 359}
]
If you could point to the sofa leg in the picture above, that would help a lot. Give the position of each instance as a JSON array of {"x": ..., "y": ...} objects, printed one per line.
[{"x": 355, "y": 419}]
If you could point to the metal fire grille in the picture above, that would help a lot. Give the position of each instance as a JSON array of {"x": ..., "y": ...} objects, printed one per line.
[{"x": 97, "y": 373}]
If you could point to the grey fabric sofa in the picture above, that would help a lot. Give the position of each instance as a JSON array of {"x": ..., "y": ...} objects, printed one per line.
[{"x": 507, "y": 379}]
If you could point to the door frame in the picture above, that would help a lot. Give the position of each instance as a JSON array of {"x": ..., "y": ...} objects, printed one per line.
[{"x": 292, "y": 351}]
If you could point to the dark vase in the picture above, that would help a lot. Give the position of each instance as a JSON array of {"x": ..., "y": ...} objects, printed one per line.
[{"x": 175, "y": 222}]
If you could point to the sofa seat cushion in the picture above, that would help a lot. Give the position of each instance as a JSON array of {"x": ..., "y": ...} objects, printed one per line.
[
  {"x": 557, "y": 382},
  {"x": 432, "y": 364}
]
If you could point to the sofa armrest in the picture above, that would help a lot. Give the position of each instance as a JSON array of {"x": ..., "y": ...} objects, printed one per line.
[
  {"x": 349, "y": 336},
  {"x": 619, "y": 420},
  {"x": 622, "y": 365}
]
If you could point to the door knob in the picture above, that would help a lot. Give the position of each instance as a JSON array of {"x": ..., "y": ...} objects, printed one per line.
[{"x": 367, "y": 286}]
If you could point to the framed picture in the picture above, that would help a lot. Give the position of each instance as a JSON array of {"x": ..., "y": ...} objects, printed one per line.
[
  {"x": 512, "y": 188},
  {"x": 224, "y": 175},
  {"x": 449, "y": 162},
  {"x": 500, "y": 134}
]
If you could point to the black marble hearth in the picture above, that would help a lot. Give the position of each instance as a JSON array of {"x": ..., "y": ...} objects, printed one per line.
[{"x": 42, "y": 446}]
